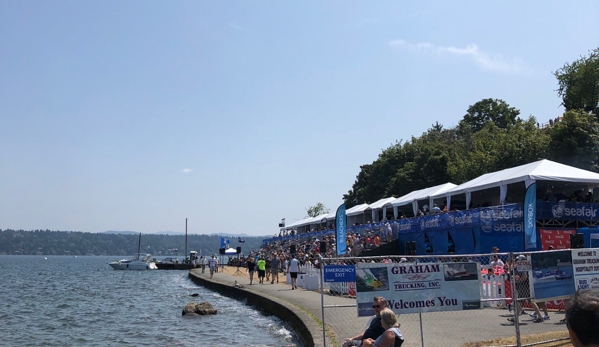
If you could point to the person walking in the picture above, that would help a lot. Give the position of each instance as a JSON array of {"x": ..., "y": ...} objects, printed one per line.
[
  {"x": 261, "y": 269},
  {"x": 204, "y": 263},
  {"x": 251, "y": 268},
  {"x": 293, "y": 270},
  {"x": 212, "y": 264},
  {"x": 274, "y": 264}
]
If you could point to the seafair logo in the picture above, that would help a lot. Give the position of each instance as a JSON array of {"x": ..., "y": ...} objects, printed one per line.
[
  {"x": 429, "y": 224},
  {"x": 460, "y": 220},
  {"x": 560, "y": 211},
  {"x": 508, "y": 220}
]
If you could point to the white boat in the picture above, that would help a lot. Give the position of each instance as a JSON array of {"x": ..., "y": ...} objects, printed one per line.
[{"x": 140, "y": 261}]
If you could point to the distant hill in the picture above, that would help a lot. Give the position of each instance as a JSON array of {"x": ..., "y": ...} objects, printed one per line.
[
  {"x": 170, "y": 232},
  {"x": 116, "y": 243},
  {"x": 115, "y": 232}
]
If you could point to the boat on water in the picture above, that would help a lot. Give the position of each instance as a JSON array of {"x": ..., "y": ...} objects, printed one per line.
[
  {"x": 140, "y": 261},
  {"x": 551, "y": 275},
  {"x": 174, "y": 264}
]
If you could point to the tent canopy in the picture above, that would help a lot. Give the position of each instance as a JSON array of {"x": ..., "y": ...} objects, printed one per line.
[
  {"x": 422, "y": 194},
  {"x": 542, "y": 170},
  {"x": 358, "y": 209},
  {"x": 230, "y": 251},
  {"x": 381, "y": 203}
]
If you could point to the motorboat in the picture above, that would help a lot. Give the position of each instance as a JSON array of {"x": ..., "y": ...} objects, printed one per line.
[
  {"x": 561, "y": 275},
  {"x": 140, "y": 261}
]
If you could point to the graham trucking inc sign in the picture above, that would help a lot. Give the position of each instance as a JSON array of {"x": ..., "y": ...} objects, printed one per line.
[{"x": 418, "y": 287}]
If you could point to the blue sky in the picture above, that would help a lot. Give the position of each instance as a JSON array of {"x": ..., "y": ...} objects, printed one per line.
[{"x": 136, "y": 115}]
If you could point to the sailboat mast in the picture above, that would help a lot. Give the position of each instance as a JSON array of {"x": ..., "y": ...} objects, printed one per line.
[
  {"x": 185, "y": 256},
  {"x": 139, "y": 245}
]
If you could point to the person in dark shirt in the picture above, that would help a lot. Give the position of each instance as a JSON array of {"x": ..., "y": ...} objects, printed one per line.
[
  {"x": 375, "y": 328},
  {"x": 582, "y": 319}
]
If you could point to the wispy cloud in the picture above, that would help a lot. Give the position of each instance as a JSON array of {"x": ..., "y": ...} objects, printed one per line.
[
  {"x": 236, "y": 26},
  {"x": 471, "y": 52},
  {"x": 364, "y": 22},
  {"x": 186, "y": 171}
]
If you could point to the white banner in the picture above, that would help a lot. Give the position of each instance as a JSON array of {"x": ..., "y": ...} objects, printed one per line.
[
  {"x": 585, "y": 262},
  {"x": 422, "y": 287}
]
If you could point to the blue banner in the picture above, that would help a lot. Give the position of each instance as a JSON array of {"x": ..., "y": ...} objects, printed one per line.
[
  {"x": 530, "y": 218},
  {"x": 340, "y": 226},
  {"x": 224, "y": 243},
  {"x": 562, "y": 210},
  {"x": 339, "y": 273}
]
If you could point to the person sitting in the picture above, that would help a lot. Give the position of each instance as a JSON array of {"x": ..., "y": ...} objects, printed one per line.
[
  {"x": 374, "y": 328},
  {"x": 392, "y": 337},
  {"x": 582, "y": 319}
]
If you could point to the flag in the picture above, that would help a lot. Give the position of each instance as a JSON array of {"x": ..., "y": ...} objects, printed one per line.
[
  {"x": 240, "y": 240},
  {"x": 340, "y": 227},
  {"x": 282, "y": 224},
  {"x": 530, "y": 218},
  {"x": 224, "y": 243}
]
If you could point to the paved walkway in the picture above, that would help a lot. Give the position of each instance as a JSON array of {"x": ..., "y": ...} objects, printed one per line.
[{"x": 439, "y": 328}]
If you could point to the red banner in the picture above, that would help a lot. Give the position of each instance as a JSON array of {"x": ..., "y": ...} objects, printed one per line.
[{"x": 558, "y": 239}]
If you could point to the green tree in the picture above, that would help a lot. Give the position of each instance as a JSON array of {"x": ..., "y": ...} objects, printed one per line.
[
  {"x": 317, "y": 210},
  {"x": 495, "y": 111},
  {"x": 578, "y": 83},
  {"x": 574, "y": 140}
]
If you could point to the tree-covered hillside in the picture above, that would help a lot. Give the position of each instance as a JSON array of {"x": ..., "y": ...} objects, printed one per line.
[{"x": 48, "y": 242}]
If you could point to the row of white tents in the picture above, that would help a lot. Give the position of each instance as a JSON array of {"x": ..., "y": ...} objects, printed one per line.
[{"x": 490, "y": 189}]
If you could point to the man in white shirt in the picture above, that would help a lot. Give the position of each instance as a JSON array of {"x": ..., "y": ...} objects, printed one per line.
[
  {"x": 293, "y": 270},
  {"x": 496, "y": 262},
  {"x": 212, "y": 263},
  {"x": 204, "y": 263}
]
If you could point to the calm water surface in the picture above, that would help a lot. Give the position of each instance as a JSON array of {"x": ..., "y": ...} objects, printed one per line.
[{"x": 81, "y": 301}]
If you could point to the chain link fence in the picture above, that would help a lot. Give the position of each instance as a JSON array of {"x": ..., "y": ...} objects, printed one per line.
[{"x": 505, "y": 289}]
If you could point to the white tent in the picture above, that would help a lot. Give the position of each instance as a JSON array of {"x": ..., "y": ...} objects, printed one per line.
[
  {"x": 426, "y": 193},
  {"x": 230, "y": 251},
  {"x": 382, "y": 203},
  {"x": 358, "y": 209},
  {"x": 356, "y": 214},
  {"x": 542, "y": 170}
]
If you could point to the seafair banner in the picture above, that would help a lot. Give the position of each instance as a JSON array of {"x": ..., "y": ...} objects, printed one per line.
[{"x": 422, "y": 287}]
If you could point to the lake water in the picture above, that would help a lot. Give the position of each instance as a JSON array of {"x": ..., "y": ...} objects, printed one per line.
[{"x": 81, "y": 301}]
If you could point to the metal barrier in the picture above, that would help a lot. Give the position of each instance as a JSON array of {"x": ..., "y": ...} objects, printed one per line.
[{"x": 341, "y": 308}]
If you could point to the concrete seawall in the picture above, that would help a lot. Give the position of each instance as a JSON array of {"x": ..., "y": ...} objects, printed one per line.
[{"x": 303, "y": 322}]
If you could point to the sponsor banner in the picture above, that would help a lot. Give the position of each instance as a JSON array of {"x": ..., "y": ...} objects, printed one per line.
[
  {"x": 552, "y": 274},
  {"x": 502, "y": 219},
  {"x": 340, "y": 229},
  {"x": 406, "y": 225},
  {"x": 567, "y": 211},
  {"x": 422, "y": 287},
  {"x": 558, "y": 239},
  {"x": 585, "y": 262},
  {"x": 339, "y": 273},
  {"x": 507, "y": 218},
  {"x": 530, "y": 219}
]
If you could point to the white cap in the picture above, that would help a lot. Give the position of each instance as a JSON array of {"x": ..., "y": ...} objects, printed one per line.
[
  {"x": 521, "y": 257},
  {"x": 403, "y": 260}
]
